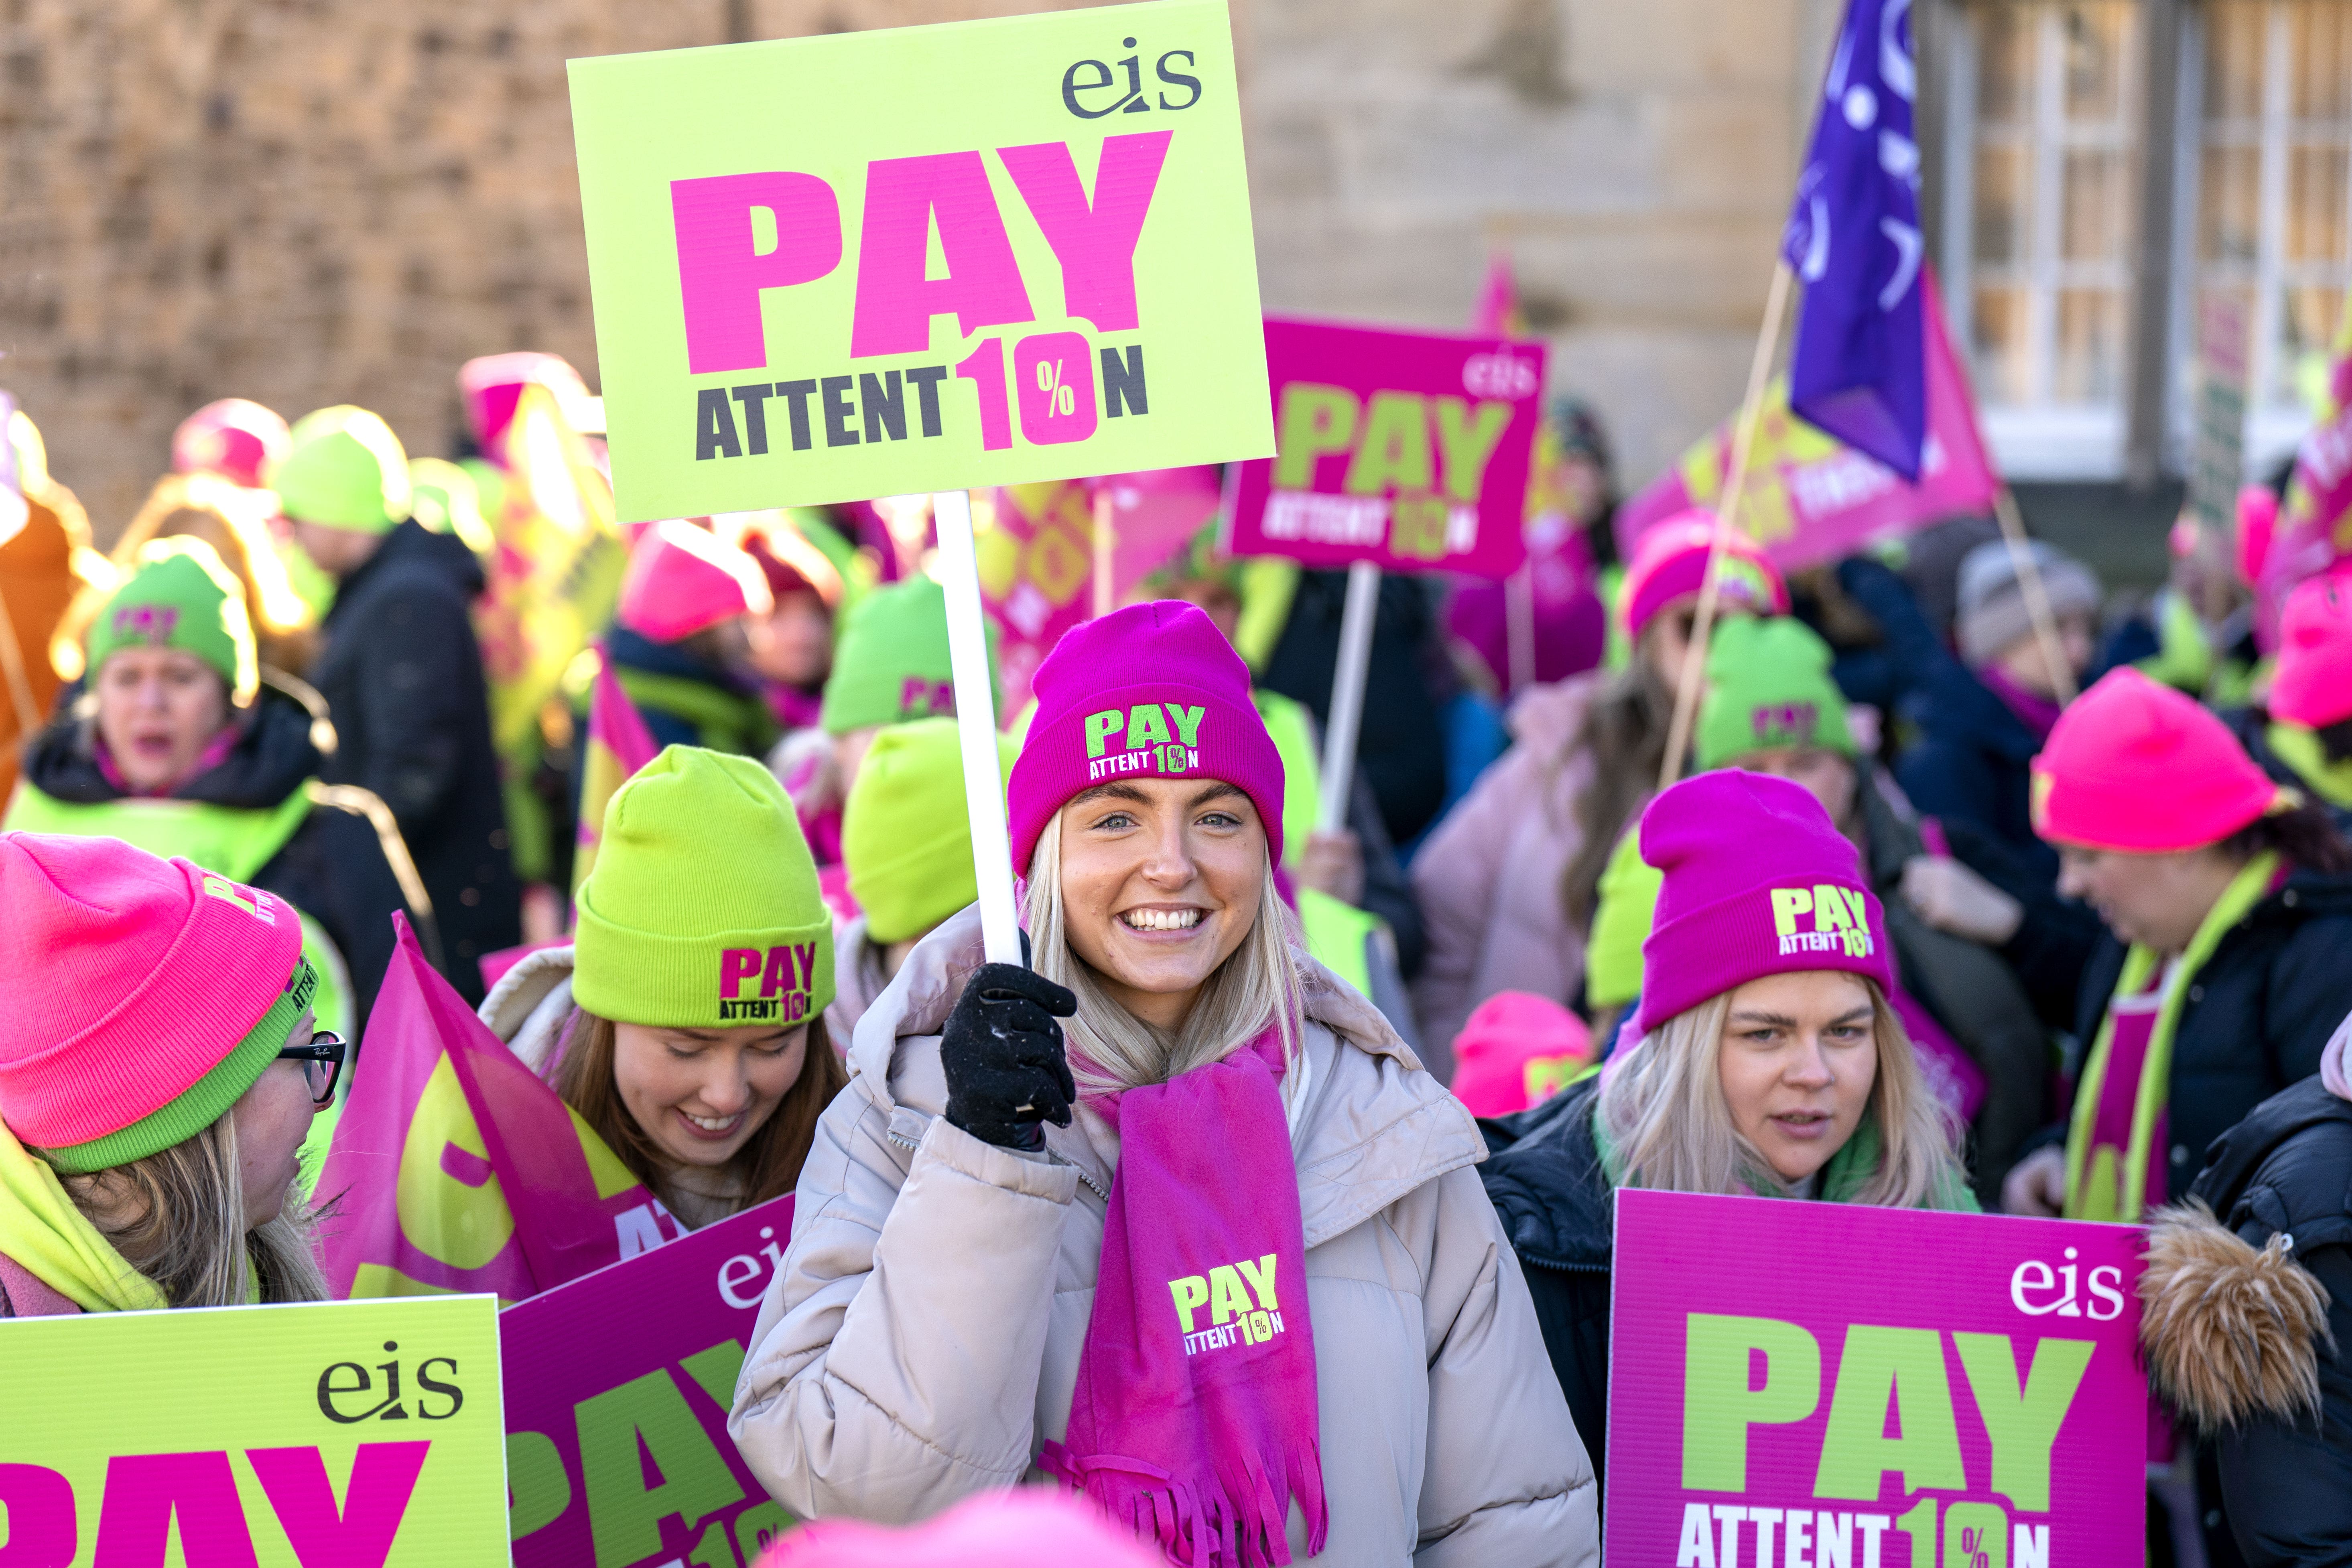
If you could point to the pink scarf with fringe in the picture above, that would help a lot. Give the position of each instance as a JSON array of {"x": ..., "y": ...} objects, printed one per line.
[{"x": 1194, "y": 1419}]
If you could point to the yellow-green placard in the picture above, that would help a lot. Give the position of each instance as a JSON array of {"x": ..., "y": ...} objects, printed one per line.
[
  {"x": 362, "y": 1433},
  {"x": 871, "y": 264}
]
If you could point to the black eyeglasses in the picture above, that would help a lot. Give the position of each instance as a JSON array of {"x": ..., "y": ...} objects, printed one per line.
[{"x": 323, "y": 1063}]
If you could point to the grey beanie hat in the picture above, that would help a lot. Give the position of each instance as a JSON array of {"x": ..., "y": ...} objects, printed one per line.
[{"x": 1992, "y": 613}]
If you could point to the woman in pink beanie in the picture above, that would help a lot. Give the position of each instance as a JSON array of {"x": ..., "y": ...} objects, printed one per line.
[
  {"x": 2229, "y": 914},
  {"x": 1765, "y": 1058},
  {"x": 1225, "y": 1267},
  {"x": 1507, "y": 880},
  {"x": 157, "y": 1075}
]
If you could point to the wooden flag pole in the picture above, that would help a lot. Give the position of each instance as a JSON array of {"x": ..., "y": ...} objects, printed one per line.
[
  {"x": 20, "y": 689},
  {"x": 975, "y": 699},
  {"x": 1104, "y": 543},
  {"x": 1726, "y": 517},
  {"x": 1348, "y": 693},
  {"x": 2037, "y": 595}
]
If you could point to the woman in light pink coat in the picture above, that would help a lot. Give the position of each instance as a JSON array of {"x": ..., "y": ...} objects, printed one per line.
[{"x": 1506, "y": 882}]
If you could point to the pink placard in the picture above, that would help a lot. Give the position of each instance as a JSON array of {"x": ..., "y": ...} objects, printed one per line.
[
  {"x": 1406, "y": 450},
  {"x": 639, "y": 1360},
  {"x": 1762, "y": 1351}
]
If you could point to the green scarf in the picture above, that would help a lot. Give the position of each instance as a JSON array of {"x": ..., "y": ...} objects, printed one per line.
[
  {"x": 1842, "y": 1179},
  {"x": 42, "y": 1230},
  {"x": 2300, "y": 749},
  {"x": 2118, "y": 1178}
]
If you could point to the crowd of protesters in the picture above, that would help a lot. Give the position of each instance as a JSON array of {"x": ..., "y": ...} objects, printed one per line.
[{"x": 2100, "y": 893}]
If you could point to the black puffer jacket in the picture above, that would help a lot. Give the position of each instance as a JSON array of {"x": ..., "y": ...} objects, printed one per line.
[
  {"x": 403, "y": 679},
  {"x": 2257, "y": 1014},
  {"x": 1543, "y": 1173},
  {"x": 2236, "y": 1339},
  {"x": 340, "y": 878}
]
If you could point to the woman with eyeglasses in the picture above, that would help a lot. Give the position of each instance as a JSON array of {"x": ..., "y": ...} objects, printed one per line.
[{"x": 158, "y": 1072}]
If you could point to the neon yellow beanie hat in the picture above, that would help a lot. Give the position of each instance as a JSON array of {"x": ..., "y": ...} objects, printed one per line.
[
  {"x": 346, "y": 470},
  {"x": 906, "y": 835},
  {"x": 702, "y": 911}
]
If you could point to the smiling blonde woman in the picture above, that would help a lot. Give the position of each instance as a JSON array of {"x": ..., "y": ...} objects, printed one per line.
[{"x": 1223, "y": 1265}]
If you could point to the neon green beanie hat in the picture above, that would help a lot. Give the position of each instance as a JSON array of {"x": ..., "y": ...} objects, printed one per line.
[
  {"x": 444, "y": 498},
  {"x": 702, "y": 911},
  {"x": 906, "y": 835},
  {"x": 891, "y": 664},
  {"x": 181, "y": 597},
  {"x": 1769, "y": 687},
  {"x": 346, "y": 470}
]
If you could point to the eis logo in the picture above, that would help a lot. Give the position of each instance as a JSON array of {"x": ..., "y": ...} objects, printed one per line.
[
  {"x": 1101, "y": 91},
  {"x": 1159, "y": 739},
  {"x": 1234, "y": 1317},
  {"x": 1840, "y": 920}
]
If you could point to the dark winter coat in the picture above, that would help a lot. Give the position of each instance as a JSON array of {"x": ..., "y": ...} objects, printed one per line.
[
  {"x": 687, "y": 700},
  {"x": 403, "y": 679},
  {"x": 341, "y": 879},
  {"x": 2257, "y": 1015},
  {"x": 2238, "y": 1341}
]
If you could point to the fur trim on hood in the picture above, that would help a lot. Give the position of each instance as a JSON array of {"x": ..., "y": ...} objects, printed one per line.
[{"x": 2229, "y": 1332}]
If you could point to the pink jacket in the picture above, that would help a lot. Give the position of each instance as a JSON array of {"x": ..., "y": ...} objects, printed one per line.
[{"x": 1488, "y": 879}]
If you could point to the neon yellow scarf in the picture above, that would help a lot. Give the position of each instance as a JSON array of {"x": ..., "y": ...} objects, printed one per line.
[
  {"x": 2300, "y": 749},
  {"x": 2104, "y": 1183},
  {"x": 42, "y": 1231}
]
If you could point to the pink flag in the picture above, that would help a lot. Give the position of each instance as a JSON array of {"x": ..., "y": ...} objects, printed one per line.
[
  {"x": 1036, "y": 556},
  {"x": 1498, "y": 314},
  {"x": 454, "y": 1168},
  {"x": 2314, "y": 530},
  {"x": 618, "y": 746},
  {"x": 1809, "y": 498}
]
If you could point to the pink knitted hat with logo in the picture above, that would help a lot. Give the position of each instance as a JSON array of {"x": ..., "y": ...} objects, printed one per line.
[
  {"x": 142, "y": 996},
  {"x": 2134, "y": 765},
  {"x": 682, "y": 579},
  {"x": 1149, "y": 691},
  {"x": 236, "y": 438},
  {"x": 1670, "y": 562},
  {"x": 1757, "y": 881},
  {"x": 2313, "y": 687}
]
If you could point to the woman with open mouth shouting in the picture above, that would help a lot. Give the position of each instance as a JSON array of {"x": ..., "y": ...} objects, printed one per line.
[
  {"x": 1212, "y": 1250},
  {"x": 1764, "y": 1059}
]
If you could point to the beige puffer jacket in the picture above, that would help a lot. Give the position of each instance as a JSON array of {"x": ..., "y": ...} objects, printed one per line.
[{"x": 922, "y": 1340}]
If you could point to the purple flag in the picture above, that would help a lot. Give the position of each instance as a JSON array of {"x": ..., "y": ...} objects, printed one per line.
[{"x": 1853, "y": 240}]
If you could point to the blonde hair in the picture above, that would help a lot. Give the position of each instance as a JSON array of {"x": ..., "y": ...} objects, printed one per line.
[
  {"x": 1666, "y": 1112},
  {"x": 1257, "y": 984},
  {"x": 178, "y": 1218}
]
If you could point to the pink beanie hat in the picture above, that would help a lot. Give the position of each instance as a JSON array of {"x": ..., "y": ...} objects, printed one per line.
[
  {"x": 2134, "y": 765},
  {"x": 682, "y": 579},
  {"x": 236, "y": 438},
  {"x": 1757, "y": 881},
  {"x": 1670, "y": 561},
  {"x": 1152, "y": 689},
  {"x": 2313, "y": 687},
  {"x": 493, "y": 383},
  {"x": 994, "y": 1530},
  {"x": 135, "y": 992},
  {"x": 1516, "y": 1050}
]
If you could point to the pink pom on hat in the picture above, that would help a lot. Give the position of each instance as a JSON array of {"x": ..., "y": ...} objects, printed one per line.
[
  {"x": 1670, "y": 562},
  {"x": 2313, "y": 686},
  {"x": 2135, "y": 766},
  {"x": 1149, "y": 691},
  {"x": 994, "y": 1530},
  {"x": 124, "y": 981},
  {"x": 1757, "y": 881},
  {"x": 681, "y": 579},
  {"x": 236, "y": 438},
  {"x": 1517, "y": 1050}
]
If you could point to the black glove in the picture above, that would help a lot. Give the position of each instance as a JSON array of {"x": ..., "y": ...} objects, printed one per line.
[{"x": 1002, "y": 1054}]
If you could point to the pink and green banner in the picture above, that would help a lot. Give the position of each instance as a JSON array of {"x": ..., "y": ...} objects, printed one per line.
[
  {"x": 453, "y": 1168},
  {"x": 587, "y": 1408},
  {"x": 330, "y": 1434},
  {"x": 915, "y": 259},
  {"x": 1832, "y": 1385},
  {"x": 1809, "y": 498},
  {"x": 1406, "y": 450}
]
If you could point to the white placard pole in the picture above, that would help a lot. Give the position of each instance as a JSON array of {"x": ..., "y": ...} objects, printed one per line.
[
  {"x": 975, "y": 699},
  {"x": 1348, "y": 693}
]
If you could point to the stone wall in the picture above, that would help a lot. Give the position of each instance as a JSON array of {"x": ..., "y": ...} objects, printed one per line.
[{"x": 316, "y": 201}]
